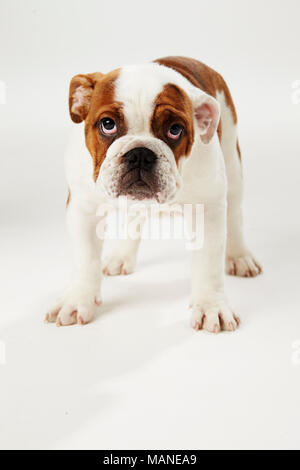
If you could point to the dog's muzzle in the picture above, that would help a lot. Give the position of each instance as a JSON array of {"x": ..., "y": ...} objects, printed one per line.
[
  {"x": 139, "y": 180},
  {"x": 140, "y": 167}
]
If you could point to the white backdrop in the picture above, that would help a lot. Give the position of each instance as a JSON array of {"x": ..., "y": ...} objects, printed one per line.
[
  {"x": 255, "y": 45},
  {"x": 141, "y": 362}
]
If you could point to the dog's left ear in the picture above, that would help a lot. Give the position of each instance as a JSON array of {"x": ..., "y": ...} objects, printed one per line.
[
  {"x": 80, "y": 95},
  {"x": 207, "y": 115}
]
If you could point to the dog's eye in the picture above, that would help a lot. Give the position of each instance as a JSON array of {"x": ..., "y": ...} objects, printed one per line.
[
  {"x": 175, "y": 132},
  {"x": 108, "y": 126}
]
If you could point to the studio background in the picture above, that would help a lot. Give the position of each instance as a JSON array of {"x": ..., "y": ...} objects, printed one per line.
[{"x": 139, "y": 376}]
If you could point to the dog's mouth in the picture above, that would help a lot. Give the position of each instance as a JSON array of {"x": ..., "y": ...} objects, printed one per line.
[
  {"x": 140, "y": 174},
  {"x": 138, "y": 184}
]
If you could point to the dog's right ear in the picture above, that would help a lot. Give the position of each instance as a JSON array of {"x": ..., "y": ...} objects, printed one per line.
[{"x": 80, "y": 95}]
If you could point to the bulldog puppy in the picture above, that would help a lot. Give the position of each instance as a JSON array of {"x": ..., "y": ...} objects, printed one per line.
[{"x": 163, "y": 132}]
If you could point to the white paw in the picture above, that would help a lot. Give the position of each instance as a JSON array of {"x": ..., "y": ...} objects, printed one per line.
[
  {"x": 214, "y": 316},
  {"x": 244, "y": 265},
  {"x": 78, "y": 305},
  {"x": 119, "y": 264}
]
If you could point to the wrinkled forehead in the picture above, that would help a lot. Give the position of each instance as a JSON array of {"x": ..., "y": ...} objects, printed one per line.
[{"x": 141, "y": 88}]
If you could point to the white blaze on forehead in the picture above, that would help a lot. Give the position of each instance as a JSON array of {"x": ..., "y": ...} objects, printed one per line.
[{"x": 137, "y": 88}]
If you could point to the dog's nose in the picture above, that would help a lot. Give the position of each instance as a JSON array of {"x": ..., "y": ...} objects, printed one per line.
[{"x": 140, "y": 157}]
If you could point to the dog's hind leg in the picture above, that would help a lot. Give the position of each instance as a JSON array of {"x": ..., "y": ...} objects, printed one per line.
[{"x": 239, "y": 260}]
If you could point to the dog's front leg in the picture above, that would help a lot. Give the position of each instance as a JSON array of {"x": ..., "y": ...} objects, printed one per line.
[
  {"x": 123, "y": 260},
  {"x": 80, "y": 301},
  {"x": 210, "y": 309}
]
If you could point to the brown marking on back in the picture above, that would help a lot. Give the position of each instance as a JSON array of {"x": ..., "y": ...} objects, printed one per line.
[
  {"x": 173, "y": 106},
  {"x": 238, "y": 150},
  {"x": 202, "y": 77},
  {"x": 219, "y": 130},
  {"x": 69, "y": 197}
]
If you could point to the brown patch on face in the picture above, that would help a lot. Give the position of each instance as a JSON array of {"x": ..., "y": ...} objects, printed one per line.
[
  {"x": 93, "y": 100},
  {"x": 203, "y": 77},
  {"x": 103, "y": 104},
  {"x": 173, "y": 106}
]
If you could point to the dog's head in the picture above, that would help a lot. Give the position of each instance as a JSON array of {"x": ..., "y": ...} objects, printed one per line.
[{"x": 140, "y": 125}]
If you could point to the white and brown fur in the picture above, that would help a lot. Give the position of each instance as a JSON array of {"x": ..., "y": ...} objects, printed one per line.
[{"x": 205, "y": 168}]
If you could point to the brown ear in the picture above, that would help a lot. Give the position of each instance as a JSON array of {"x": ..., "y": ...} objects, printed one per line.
[{"x": 80, "y": 94}]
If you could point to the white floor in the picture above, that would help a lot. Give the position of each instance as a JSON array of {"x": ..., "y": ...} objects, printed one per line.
[{"x": 139, "y": 376}]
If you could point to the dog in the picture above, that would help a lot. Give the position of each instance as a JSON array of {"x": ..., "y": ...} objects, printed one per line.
[{"x": 165, "y": 131}]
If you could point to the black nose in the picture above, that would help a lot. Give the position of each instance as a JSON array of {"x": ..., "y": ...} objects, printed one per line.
[{"x": 140, "y": 157}]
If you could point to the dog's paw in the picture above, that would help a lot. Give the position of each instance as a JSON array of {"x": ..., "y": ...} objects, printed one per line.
[
  {"x": 119, "y": 264},
  {"x": 243, "y": 265},
  {"x": 78, "y": 305},
  {"x": 214, "y": 316}
]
